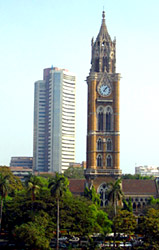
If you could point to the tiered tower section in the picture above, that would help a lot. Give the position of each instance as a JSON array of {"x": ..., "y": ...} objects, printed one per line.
[{"x": 103, "y": 137}]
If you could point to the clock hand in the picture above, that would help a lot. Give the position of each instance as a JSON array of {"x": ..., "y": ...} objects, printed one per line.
[{"x": 105, "y": 88}]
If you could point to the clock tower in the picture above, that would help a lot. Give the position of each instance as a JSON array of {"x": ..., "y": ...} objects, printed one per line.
[{"x": 103, "y": 136}]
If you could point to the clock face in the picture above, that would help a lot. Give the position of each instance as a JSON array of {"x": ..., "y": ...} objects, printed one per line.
[{"x": 104, "y": 90}]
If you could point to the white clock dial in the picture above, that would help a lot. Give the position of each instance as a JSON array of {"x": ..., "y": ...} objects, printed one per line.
[{"x": 104, "y": 90}]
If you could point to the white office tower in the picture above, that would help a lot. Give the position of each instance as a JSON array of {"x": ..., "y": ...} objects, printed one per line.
[{"x": 54, "y": 121}]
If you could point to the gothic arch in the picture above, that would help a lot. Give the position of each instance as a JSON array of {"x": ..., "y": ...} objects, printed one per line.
[
  {"x": 100, "y": 115},
  {"x": 109, "y": 161},
  {"x": 103, "y": 190},
  {"x": 108, "y": 118},
  {"x": 99, "y": 144},
  {"x": 109, "y": 145},
  {"x": 134, "y": 206},
  {"x": 99, "y": 160}
]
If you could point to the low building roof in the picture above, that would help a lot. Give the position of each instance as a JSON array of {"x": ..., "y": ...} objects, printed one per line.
[
  {"x": 139, "y": 187},
  {"x": 76, "y": 186},
  {"x": 129, "y": 187}
]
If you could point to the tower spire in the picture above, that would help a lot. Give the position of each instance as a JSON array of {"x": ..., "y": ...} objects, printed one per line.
[
  {"x": 103, "y": 33},
  {"x": 103, "y": 50}
]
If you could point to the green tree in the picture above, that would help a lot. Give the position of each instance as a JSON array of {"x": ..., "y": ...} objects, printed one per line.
[
  {"x": 58, "y": 186},
  {"x": 104, "y": 223},
  {"x": 128, "y": 205},
  {"x": 149, "y": 227},
  {"x": 137, "y": 177},
  {"x": 19, "y": 209},
  {"x": 4, "y": 185},
  {"x": 33, "y": 186},
  {"x": 115, "y": 193},
  {"x": 152, "y": 203},
  {"x": 35, "y": 234},
  {"x": 125, "y": 222},
  {"x": 74, "y": 173},
  {"x": 92, "y": 195},
  {"x": 14, "y": 182}
]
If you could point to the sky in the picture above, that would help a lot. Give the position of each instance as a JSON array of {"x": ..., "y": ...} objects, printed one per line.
[{"x": 36, "y": 34}]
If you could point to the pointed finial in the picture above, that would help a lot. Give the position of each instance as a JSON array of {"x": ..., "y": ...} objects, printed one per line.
[{"x": 103, "y": 14}]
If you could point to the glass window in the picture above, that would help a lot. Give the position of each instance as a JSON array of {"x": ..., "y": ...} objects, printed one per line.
[
  {"x": 99, "y": 161},
  {"x": 109, "y": 144},
  {"x": 100, "y": 121},
  {"x": 109, "y": 161},
  {"x": 99, "y": 144}
]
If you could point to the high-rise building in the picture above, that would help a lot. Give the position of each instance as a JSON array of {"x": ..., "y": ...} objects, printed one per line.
[
  {"x": 103, "y": 136},
  {"x": 54, "y": 121}
]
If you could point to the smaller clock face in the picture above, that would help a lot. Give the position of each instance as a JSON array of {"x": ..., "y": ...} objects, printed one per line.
[{"x": 104, "y": 90}]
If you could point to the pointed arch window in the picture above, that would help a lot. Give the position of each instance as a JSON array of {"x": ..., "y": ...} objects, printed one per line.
[
  {"x": 99, "y": 144},
  {"x": 103, "y": 191},
  {"x": 99, "y": 161},
  {"x": 100, "y": 119},
  {"x": 109, "y": 161},
  {"x": 109, "y": 119},
  {"x": 109, "y": 144}
]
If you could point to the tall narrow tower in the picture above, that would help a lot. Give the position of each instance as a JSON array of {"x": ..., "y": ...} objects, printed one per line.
[{"x": 103, "y": 137}]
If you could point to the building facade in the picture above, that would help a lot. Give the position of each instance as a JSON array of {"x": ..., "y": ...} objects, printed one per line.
[
  {"x": 54, "y": 121},
  {"x": 139, "y": 191},
  {"x": 147, "y": 171},
  {"x": 21, "y": 161},
  {"x": 21, "y": 172},
  {"x": 103, "y": 137}
]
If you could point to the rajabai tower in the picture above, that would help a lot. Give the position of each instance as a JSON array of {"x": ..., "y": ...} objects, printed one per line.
[{"x": 103, "y": 136}]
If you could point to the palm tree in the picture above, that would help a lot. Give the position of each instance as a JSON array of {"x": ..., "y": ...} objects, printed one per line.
[
  {"x": 58, "y": 186},
  {"x": 33, "y": 186},
  {"x": 4, "y": 186},
  {"x": 115, "y": 193}
]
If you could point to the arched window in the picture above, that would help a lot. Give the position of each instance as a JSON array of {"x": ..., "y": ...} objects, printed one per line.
[
  {"x": 139, "y": 205},
  {"x": 109, "y": 119},
  {"x": 109, "y": 144},
  {"x": 103, "y": 190},
  {"x": 99, "y": 161},
  {"x": 109, "y": 160},
  {"x": 134, "y": 206},
  {"x": 99, "y": 144},
  {"x": 100, "y": 119}
]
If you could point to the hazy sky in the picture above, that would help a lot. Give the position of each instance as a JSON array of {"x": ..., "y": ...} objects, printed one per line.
[{"x": 36, "y": 34}]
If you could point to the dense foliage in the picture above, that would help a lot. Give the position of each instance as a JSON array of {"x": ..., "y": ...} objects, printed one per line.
[
  {"x": 74, "y": 173},
  {"x": 137, "y": 177},
  {"x": 125, "y": 222},
  {"x": 30, "y": 212},
  {"x": 149, "y": 227}
]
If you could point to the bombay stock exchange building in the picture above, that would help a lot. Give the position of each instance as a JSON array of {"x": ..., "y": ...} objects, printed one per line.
[{"x": 54, "y": 121}]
